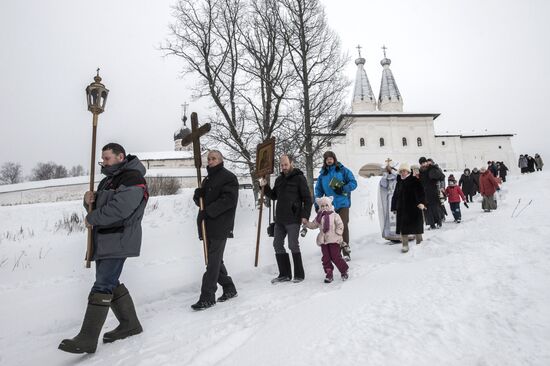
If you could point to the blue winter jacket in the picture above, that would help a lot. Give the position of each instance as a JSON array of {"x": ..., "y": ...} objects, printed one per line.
[{"x": 342, "y": 173}]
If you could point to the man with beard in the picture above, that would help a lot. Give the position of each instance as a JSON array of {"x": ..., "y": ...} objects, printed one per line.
[
  {"x": 292, "y": 209},
  {"x": 430, "y": 176},
  {"x": 117, "y": 210}
]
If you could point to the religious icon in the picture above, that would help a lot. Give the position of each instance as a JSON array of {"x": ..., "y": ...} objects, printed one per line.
[{"x": 265, "y": 158}]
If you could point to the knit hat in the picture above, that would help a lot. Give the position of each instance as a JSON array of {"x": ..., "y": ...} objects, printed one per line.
[
  {"x": 325, "y": 200},
  {"x": 404, "y": 166},
  {"x": 452, "y": 178}
]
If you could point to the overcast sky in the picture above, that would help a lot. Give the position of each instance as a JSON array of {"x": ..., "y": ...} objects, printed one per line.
[{"x": 482, "y": 64}]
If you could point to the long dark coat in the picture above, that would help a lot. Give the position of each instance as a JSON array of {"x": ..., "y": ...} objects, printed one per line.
[
  {"x": 406, "y": 197},
  {"x": 475, "y": 177},
  {"x": 293, "y": 197},
  {"x": 468, "y": 184},
  {"x": 221, "y": 194},
  {"x": 430, "y": 177}
]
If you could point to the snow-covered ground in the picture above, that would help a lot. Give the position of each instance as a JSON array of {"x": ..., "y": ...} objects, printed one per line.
[{"x": 475, "y": 293}]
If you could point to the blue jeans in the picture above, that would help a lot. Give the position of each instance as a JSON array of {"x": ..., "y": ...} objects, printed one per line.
[
  {"x": 455, "y": 209},
  {"x": 107, "y": 273}
]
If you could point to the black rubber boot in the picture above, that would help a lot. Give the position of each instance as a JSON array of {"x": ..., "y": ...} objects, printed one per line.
[
  {"x": 124, "y": 310},
  {"x": 283, "y": 261},
  {"x": 299, "y": 275},
  {"x": 96, "y": 313}
]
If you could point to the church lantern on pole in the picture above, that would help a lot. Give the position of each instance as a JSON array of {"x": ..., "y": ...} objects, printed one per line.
[{"x": 96, "y": 97}]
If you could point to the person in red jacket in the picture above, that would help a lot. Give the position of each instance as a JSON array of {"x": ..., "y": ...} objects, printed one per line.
[
  {"x": 488, "y": 185},
  {"x": 454, "y": 195}
]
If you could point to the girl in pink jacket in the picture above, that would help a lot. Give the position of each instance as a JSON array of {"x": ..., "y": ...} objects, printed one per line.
[{"x": 329, "y": 238}]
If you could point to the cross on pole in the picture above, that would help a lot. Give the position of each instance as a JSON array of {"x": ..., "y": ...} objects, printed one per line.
[
  {"x": 184, "y": 108},
  {"x": 359, "y": 50},
  {"x": 388, "y": 161},
  {"x": 194, "y": 137},
  {"x": 384, "y": 48}
]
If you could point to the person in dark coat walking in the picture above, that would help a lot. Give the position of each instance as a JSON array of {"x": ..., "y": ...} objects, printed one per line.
[
  {"x": 293, "y": 208},
  {"x": 492, "y": 167},
  {"x": 430, "y": 176},
  {"x": 408, "y": 202},
  {"x": 475, "y": 177},
  {"x": 468, "y": 185},
  {"x": 118, "y": 206},
  {"x": 502, "y": 170},
  {"x": 220, "y": 193},
  {"x": 531, "y": 164}
]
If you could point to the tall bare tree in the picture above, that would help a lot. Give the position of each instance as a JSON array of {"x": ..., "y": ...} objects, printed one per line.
[
  {"x": 11, "y": 173},
  {"x": 319, "y": 64}
]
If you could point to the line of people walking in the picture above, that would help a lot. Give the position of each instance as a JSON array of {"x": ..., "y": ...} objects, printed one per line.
[{"x": 529, "y": 164}]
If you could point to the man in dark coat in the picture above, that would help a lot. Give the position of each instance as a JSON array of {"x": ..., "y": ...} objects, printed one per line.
[
  {"x": 475, "y": 177},
  {"x": 468, "y": 185},
  {"x": 408, "y": 203},
  {"x": 502, "y": 170},
  {"x": 430, "y": 176},
  {"x": 117, "y": 209},
  {"x": 530, "y": 164},
  {"x": 292, "y": 209},
  {"x": 220, "y": 193}
]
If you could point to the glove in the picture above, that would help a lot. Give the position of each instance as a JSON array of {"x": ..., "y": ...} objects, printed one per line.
[
  {"x": 199, "y": 192},
  {"x": 466, "y": 204},
  {"x": 338, "y": 190}
]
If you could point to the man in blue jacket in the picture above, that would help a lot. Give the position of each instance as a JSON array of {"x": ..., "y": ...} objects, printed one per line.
[
  {"x": 118, "y": 206},
  {"x": 337, "y": 181}
]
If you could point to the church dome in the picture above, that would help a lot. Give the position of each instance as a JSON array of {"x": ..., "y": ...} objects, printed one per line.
[{"x": 181, "y": 133}]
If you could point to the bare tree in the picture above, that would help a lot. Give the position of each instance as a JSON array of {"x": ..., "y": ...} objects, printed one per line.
[
  {"x": 10, "y": 173},
  {"x": 319, "y": 64},
  {"x": 239, "y": 51},
  {"x": 49, "y": 170},
  {"x": 77, "y": 171}
]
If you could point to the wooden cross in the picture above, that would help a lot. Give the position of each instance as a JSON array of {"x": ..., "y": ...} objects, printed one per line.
[
  {"x": 359, "y": 50},
  {"x": 388, "y": 161},
  {"x": 194, "y": 137},
  {"x": 384, "y": 48}
]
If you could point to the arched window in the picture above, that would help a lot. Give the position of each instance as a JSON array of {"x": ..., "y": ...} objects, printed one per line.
[
  {"x": 381, "y": 141},
  {"x": 329, "y": 144},
  {"x": 419, "y": 141},
  {"x": 443, "y": 143},
  {"x": 362, "y": 142},
  {"x": 404, "y": 141}
]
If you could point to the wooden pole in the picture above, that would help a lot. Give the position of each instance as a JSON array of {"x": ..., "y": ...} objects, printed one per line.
[
  {"x": 259, "y": 226},
  {"x": 203, "y": 224},
  {"x": 90, "y": 247}
]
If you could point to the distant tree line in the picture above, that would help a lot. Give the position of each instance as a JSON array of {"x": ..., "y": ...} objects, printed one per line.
[{"x": 11, "y": 172}]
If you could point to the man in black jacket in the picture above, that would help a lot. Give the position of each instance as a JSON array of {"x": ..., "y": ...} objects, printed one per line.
[
  {"x": 293, "y": 208},
  {"x": 220, "y": 193},
  {"x": 117, "y": 209},
  {"x": 430, "y": 176}
]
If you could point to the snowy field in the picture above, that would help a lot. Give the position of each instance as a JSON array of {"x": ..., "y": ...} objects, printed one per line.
[{"x": 475, "y": 293}]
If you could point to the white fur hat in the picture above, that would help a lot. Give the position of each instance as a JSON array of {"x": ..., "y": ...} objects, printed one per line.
[
  {"x": 324, "y": 200},
  {"x": 404, "y": 166}
]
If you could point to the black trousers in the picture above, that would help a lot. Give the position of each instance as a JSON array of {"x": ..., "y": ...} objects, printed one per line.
[{"x": 215, "y": 271}]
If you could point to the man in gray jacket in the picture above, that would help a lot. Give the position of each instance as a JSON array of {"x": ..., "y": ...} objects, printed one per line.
[{"x": 117, "y": 210}]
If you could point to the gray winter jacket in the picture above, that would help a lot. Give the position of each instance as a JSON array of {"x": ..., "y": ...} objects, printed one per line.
[
  {"x": 118, "y": 209},
  {"x": 539, "y": 162}
]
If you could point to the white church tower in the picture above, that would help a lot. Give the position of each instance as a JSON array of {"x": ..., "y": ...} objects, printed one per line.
[
  {"x": 363, "y": 97},
  {"x": 389, "y": 99}
]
